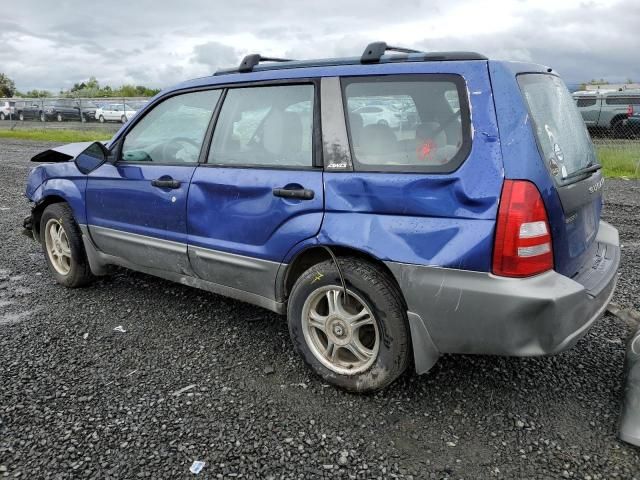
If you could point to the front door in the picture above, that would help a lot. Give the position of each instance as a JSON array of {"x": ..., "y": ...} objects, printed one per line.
[
  {"x": 260, "y": 191},
  {"x": 136, "y": 208}
]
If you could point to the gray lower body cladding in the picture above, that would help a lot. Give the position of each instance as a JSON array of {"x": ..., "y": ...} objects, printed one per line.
[
  {"x": 456, "y": 311},
  {"x": 243, "y": 278}
]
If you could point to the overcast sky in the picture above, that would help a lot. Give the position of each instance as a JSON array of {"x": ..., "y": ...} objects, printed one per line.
[{"x": 52, "y": 45}]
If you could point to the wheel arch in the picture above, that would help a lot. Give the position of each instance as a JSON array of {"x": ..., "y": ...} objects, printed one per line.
[
  {"x": 36, "y": 214},
  {"x": 58, "y": 191},
  {"x": 314, "y": 254}
]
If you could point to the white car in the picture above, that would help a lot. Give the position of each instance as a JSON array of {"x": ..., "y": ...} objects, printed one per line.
[
  {"x": 379, "y": 114},
  {"x": 118, "y": 112},
  {"x": 7, "y": 109}
]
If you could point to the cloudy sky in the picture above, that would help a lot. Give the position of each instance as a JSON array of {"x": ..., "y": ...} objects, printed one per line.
[{"x": 52, "y": 45}]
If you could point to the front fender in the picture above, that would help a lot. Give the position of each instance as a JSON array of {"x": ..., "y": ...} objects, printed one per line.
[{"x": 70, "y": 190}]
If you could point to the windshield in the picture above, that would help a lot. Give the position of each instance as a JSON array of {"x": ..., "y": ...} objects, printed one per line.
[{"x": 560, "y": 130}]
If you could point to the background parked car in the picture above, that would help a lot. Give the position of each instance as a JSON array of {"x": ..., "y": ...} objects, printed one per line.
[
  {"x": 117, "y": 112},
  {"x": 7, "y": 109},
  {"x": 70, "y": 109},
  {"x": 380, "y": 115},
  {"x": 609, "y": 110},
  {"x": 29, "y": 110}
]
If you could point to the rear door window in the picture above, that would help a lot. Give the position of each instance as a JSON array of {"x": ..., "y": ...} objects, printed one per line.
[
  {"x": 408, "y": 123},
  {"x": 265, "y": 126},
  {"x": 561, "y": 133}
]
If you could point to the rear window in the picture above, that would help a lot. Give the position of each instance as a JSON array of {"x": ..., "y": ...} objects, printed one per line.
[
  {"x": 408, "y": 123},
  {"x": 585, "y": 102},
  {"x": 561, "y": 133}
]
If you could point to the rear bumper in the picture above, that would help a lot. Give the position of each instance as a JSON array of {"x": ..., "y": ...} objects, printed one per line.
[{"x": 457, "y": 311}]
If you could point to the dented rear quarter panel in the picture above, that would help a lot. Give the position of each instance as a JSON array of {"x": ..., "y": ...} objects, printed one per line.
[{"x": 429, "y": 219}]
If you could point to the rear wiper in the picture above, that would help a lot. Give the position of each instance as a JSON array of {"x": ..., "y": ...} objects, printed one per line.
[{"x": 588, "y": 169}]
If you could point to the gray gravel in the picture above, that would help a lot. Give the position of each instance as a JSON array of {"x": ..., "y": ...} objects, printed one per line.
[{"x": 200, "y": 377}]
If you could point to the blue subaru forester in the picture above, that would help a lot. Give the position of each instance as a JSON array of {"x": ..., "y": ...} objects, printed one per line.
[{"x": 394, "y": 206}]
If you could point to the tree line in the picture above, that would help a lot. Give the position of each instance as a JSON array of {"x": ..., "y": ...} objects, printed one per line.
[{"x": 89, "y": 88}]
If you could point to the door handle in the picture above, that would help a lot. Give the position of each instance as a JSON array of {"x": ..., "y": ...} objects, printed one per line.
[
  {"x": 166, "y": 183},
  {"x": 301, "y": 193}
]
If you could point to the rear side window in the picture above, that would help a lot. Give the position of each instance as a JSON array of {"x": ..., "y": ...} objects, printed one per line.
[
  {"x": 562, "y": 136},
  {"x": 586, "y": 102},
  {"x": 408, "y": 123},
  {"x": 623, "y": 100},
  {"x": 265, "y": 126}
]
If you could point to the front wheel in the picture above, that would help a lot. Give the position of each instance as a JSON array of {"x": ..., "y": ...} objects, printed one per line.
[
  {"x": 59, "y": 117},
  {"x": 101, "y": 119},
  {"x": 21, "y": 117},
  {"x": 2, "y": 117},
  {"x": 123, "y": 119},
  {"x": 63, "y": 248},
  {"x": 358, "y": 341},
  {"x": 43, "y": 118}
]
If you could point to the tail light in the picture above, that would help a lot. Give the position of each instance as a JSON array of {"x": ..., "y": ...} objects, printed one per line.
[
  {"x": 630, "y": 110},
  {"x": 523, "y": 238}
]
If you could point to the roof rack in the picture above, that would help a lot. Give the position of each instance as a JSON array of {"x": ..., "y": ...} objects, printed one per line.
[
  {"x": 254, "y": 59},
  {"x": 374, "y": 51}
]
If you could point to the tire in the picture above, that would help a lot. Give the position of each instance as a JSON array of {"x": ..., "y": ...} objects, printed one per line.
[
  {"x": 2, "y": 117},
  {"x": 21, "y": 117},
  {"x": 123, "y": 119},
  {"x": 43, "y": 118},
  {"x": 74, "y": 270},
  {"x": 371, "y": 287},
  {"x": 59, "y": 117},
  {"x": 101, "y": 119}
]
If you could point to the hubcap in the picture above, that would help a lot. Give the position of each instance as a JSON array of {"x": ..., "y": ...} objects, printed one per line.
[
  {"x": 57, "y": 245},
  {"x": 341, "y": 333}
]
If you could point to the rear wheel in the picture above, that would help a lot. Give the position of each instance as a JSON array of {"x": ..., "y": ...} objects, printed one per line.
[
  {"x": 21, "y": 117},
  {"x": 2, "y": 117},
  {"x": 43, "y": 118},
  {"x": 359, "y": 342},
  {"x": 101, "y": 119},
  {"x": 63, "y": 248},
  {"x": 123, "y": 119},
  {"x": 59, "y": 117}
]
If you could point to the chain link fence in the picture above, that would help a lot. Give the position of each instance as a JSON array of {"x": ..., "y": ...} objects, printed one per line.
[{"x": 104, "y": 114}]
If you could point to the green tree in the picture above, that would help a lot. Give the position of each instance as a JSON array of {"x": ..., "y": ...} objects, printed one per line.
[{"x": 7, "y": 86}]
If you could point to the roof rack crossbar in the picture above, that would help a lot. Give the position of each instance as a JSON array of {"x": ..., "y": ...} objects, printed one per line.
[
  {"x": 374, "y": 51},
  {"x": 254, "y": 59}
]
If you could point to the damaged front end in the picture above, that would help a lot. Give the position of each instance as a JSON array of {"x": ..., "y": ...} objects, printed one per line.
[{"x": 629, "y": 430}]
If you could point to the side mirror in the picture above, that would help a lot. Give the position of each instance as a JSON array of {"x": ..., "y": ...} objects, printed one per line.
[{"x": 91, "y": 158}]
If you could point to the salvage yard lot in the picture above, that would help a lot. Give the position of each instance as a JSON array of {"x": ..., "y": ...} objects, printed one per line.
[{"x": 80, "y": 399}]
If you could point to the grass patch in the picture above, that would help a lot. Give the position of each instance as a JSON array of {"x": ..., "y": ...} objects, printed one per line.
[
  {"x": 62, "y": 136},
  {"x": 619, "y": 162}
]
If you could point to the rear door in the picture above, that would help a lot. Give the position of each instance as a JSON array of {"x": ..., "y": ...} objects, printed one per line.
[
  {"x": 569, "y": 156},
  {"x": 137, "y": 207},
  {"x": 260, "y": 191}
]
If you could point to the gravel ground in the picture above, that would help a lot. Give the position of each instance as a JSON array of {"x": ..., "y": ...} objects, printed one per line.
[{"x": 200, "y": 377}]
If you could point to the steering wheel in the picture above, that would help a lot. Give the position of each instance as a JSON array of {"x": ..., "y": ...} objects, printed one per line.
[{"x": 171, "y": 148}]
